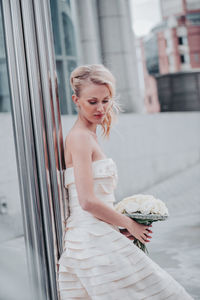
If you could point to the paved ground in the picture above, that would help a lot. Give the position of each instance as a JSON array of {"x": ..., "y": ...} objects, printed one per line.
[
  {"x": 13, "y": 271},
  {"x": 175, "y": 244}
]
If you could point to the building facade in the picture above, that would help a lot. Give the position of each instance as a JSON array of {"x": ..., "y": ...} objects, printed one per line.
[
  {"x": 87, "y": 32},
  {"x": 173, "y": 47},
  {"x": 179, "y": 42}
]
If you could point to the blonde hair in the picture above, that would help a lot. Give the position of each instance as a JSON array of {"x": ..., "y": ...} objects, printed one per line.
[{"x": 97, "y": 74}]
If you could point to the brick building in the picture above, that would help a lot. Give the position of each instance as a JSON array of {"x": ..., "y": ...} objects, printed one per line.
[
  {"x": 173, "y": 46},
  {"x": 179, "y": 42}
]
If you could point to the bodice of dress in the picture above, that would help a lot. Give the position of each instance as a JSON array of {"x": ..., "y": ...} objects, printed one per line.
[{"x": 105, "y": 180}]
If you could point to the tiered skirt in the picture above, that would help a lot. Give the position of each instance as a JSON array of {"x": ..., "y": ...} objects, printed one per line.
[{"x": 100, "y": 263}]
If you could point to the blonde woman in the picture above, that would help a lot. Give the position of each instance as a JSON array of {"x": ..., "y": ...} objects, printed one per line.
[{"x": 98, "y": 262}]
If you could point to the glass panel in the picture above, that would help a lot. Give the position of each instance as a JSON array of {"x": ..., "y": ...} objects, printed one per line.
[
  {"x": 72, "y": 64},
  {"x": 55, "y": 25},
  {"x": 13, "y": 271},
  {"x": 61, "y": 87},
  {"x": 4, "y": 90},
  {"x": 65, "y": 49},
  {"x": 69, "y": 36},
  {"x": 68, "y": 2}
]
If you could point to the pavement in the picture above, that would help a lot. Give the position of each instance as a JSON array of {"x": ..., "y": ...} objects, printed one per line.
[{"x": 175, "y": 244}]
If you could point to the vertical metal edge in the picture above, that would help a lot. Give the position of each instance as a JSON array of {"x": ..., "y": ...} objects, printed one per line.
[
  {"x": 38, "y": 137},
  {"x": 36, "y": 18},
  {"x": 51, "y": 102},
  {"x": 24, "y": 143},
  {"x": 62, "y": 209},
  {"x": 56, "y": 109},
  {"x": 44, "y": 136}
]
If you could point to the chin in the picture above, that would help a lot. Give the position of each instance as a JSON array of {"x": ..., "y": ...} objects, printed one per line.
[{"x": 99, "y": 121}]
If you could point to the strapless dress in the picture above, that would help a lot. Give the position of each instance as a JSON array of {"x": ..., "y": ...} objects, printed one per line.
[{"x": 100, "y": 263}]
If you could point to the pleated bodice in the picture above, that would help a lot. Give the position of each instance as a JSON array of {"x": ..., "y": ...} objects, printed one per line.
[{"x": 105, "y": 181}]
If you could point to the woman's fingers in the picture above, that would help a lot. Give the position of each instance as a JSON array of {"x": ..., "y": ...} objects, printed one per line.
[
  {"x": 128, "y": 235},
  {"x": 146, "y": 237},
  {"x": 143, "y": 240},
  {"x": 148, "y": 231}
]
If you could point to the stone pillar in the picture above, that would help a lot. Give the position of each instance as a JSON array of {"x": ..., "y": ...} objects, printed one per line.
[
  {"x": 118, "y": 50},
  {"x": 88, "y": 31}
]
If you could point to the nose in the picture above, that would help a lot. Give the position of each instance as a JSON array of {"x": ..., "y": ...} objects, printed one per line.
[{"x": 100, "y": 107}]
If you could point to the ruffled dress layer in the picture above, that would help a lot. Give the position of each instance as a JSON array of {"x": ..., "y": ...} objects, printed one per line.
[{"x": 100, "y": 263}]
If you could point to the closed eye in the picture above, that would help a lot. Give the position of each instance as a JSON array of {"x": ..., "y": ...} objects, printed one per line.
[{"x": 94, "y": 102}]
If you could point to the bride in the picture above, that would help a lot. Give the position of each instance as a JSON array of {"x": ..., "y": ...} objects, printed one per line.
[{"x": 98, "y": 261}]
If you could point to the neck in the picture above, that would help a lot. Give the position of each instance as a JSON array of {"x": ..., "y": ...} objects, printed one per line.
[{"x": 84, "y": 123}]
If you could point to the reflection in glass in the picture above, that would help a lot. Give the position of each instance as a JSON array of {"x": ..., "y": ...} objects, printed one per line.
[
  {"x": 68, "y": 2},
  {"x": 61, "y": 87},
  {"x": 71, "y": 65},
  {"x": 65, "y": 50},
  {"x": 4, "y": 90},
  {"x": 55, "y": 21},
  {"x": 68, "y": 35}
]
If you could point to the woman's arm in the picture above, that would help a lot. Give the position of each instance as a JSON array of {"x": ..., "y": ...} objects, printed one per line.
[{"x": 81, "y": 151}]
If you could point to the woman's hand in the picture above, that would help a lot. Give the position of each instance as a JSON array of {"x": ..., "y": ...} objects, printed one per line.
[
  {"x": 140, "y": 231},
  {"x": 127, "y": 234}
]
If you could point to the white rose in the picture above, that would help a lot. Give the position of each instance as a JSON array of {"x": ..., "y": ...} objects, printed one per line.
[
  {"x": 146, "y": 207},
  {"x": 144, "y": 203},
  {"x": 132, "y": 207}
]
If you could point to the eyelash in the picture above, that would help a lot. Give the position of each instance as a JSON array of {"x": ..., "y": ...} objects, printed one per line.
[{"x": 105, "y": 101}]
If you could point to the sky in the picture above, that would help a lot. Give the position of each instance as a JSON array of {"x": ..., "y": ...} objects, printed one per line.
[{"x": 145, "y": 14}]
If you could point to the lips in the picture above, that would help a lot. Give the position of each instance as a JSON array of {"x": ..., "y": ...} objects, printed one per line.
[{"x": 99, "y": 115}]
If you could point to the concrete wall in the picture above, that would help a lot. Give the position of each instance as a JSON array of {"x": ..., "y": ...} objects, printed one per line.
[
  {"x": 146, "y": 148},
  {"x": 150, "y": 148}
]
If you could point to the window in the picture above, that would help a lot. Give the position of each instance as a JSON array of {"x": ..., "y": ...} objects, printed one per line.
[
  {"x": 180, "y": 40},
  {"x": 196, "y": 57},
  {"x": 182, "y": 58}
]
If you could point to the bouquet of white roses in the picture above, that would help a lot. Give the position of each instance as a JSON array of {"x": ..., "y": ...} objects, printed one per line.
[{"x": 144, "y": 209}]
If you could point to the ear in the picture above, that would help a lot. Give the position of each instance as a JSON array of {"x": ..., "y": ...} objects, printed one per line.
[{"x": 75, "y": 99}]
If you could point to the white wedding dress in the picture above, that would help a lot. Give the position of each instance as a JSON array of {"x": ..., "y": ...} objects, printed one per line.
[{"x": 100, "y": 263}]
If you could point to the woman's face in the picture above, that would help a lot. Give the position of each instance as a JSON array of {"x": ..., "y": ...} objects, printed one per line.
[{"x": 94, "y": 102}]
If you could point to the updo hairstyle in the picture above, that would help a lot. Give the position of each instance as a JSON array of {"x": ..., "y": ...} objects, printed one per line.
[{"x": 97, "y": 74}]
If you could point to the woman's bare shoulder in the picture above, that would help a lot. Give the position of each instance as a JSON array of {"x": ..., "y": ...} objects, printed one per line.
[
  {"x": 78, "y": 135},
  {"x": 78, "y": 139}
]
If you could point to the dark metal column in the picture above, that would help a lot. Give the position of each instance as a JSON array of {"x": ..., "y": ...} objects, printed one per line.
[{"x": 38, "y": 137}]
